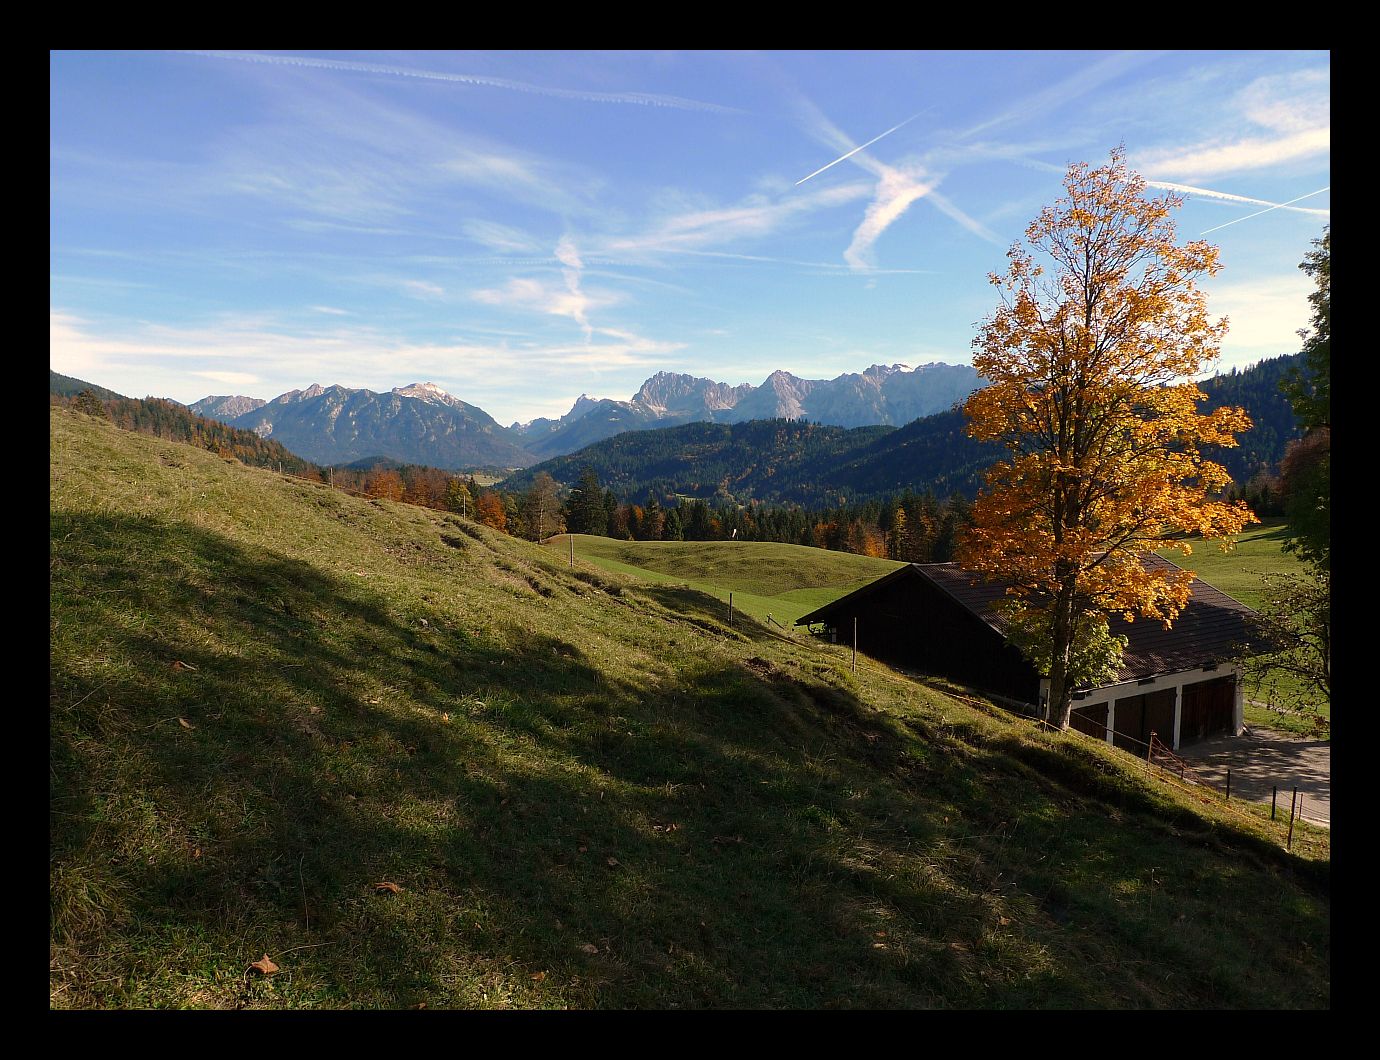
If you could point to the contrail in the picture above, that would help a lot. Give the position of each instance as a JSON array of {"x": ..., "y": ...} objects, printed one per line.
[
  {"x": 1224, "y": 196},
  {"x": 645, "y": 99},
  {"x": 855, "y": 150},
  {"x": 1259, "y": 212}
]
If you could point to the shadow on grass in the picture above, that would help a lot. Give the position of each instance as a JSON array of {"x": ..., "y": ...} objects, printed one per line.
[{"x": 243, "y": 747}]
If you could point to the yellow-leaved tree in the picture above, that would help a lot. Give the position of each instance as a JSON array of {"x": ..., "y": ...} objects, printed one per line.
[{"x": 1090, "y": 359}]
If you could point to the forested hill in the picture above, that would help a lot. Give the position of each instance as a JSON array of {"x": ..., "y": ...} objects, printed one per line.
[
  {"x": 168, "y": 419},
  {"x": 1256, "y": 389},
  {"x": 775, "y": 461},
  {"x": 796, "y": 462},
  {"x": 67, "y": 386}
]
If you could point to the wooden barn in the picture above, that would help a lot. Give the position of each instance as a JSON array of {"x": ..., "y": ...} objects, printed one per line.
[{"x": 1181, "y": 683}]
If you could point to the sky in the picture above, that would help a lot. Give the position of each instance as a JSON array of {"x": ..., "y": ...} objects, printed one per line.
[{"x": 523, "y": 227}]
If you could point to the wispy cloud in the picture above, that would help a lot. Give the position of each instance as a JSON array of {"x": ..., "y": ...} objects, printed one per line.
[
  {"x": 501, "y": 237},
  {"x": 1290, "y": 116},
  {"x": 173, "y": 361},
  {"x": 334, "y": 156},
  {"x": 423, "y": 289},
  {"x": 569, "y": 256},
  {"x": 568, "y": 299},
  {"x": 1063, "y": 92},
  {"x": 823, "y": 266},
  {"x": 1202, "y": 161},
  {"x": 758, "y": 217},
  {"x": 645, "y": 99},
  {"x": 238, "y": 379}
]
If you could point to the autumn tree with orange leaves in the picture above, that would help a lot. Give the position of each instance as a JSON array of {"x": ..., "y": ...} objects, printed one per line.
[{"x": 1090, "y": 358}]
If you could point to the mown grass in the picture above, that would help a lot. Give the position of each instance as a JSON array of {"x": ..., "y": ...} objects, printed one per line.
[
  {"x": 268, "y": 697},
  {"x": 765, "y": 578}
]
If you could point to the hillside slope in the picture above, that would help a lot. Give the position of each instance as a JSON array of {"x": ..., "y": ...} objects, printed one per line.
[{"x": 413, "y": 763}]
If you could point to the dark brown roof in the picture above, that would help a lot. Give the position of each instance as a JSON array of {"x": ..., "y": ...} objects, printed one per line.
[{"x": 1212, "y": 628}]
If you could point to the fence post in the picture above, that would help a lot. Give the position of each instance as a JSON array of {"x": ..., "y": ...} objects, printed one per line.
[
  {"x": 572, "y": 550},
  {"x": 855, "y": 643},
  {"x": 1274, "y": 791},
  {"x": 1229, "y": 784},
  {"x": 1149, "y": 750},
  {"x": 1290, "y": 844},
  {"x": 730, "y": 609}
]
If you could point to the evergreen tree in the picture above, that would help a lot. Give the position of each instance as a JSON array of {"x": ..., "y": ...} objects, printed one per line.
[
  {"x": 586, "y": 514},
  {"x": 1307, "y": 467}
]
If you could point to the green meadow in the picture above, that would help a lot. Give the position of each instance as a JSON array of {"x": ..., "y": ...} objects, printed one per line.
[{"x": 783, "y": 581}]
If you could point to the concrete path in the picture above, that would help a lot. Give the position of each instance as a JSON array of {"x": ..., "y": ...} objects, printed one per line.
[{"x": 1261, "y": 758}]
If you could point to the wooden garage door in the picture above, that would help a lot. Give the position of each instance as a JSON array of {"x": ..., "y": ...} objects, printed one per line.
[
  {"x": 1138, "y": 716},
  {"x": 1091, "y": 720},
  {"x": 1209, "y": 708}
]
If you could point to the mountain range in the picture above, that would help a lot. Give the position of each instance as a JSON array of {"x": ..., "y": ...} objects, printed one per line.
[
  {"x": 423, "y": 424},
  {"x": 795, "y": 462}
]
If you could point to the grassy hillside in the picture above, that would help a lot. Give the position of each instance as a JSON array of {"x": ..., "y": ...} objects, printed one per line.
[
  {"x": 784, "y": 581},
  {"x": 269, "y": 700}
]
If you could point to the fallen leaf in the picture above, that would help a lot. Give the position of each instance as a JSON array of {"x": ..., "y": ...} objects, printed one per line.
[
  {"x": 266, "y": 966},
  {"x": 391, "y": 888},
  {"x": 584, "y": 850},
  {"x": 420, "y": 1004},
  {"x": 1003, "y": 920},
  {"x": 590, "y": 948},
  {"x": 178, "y": 664},
  {"x": 375, "y": 701},
  {"x": 879, "y": 934},
  {"x": 196, "y": 853},
  {"x": 613, "y": 861},
  {"x": 445, "y": 717},
  {"x": 879, "y": 945},
  {"x": 316, "y": 710},
  {"x": 185, "y": 723},
  {"x": 539, "y": 977}
]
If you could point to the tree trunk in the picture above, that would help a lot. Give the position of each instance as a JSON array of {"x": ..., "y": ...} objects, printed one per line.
[{"x": 1060, "y": 694}]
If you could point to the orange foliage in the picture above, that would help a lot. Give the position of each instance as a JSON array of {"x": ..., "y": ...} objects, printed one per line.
[
  {"x": 1090, "y": 372},
  {"x": 385, "y": 484},
  {"x": 488, "y": 509}
]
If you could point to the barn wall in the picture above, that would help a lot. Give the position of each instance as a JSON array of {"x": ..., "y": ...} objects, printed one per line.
[{"x": 913, "y": 624}]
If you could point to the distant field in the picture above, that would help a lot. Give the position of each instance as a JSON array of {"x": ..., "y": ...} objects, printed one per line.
[
  {"x": 784, "y": 581},
  {"x": 788, "y": 581},
  {"x": 1241, "y": 573}
]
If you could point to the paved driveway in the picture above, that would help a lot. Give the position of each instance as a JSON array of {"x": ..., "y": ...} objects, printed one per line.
[{"x": 1260, "y": 758}]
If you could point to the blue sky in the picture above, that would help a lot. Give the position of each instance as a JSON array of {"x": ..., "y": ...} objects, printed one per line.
[{"x": 523, "y": 227}]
